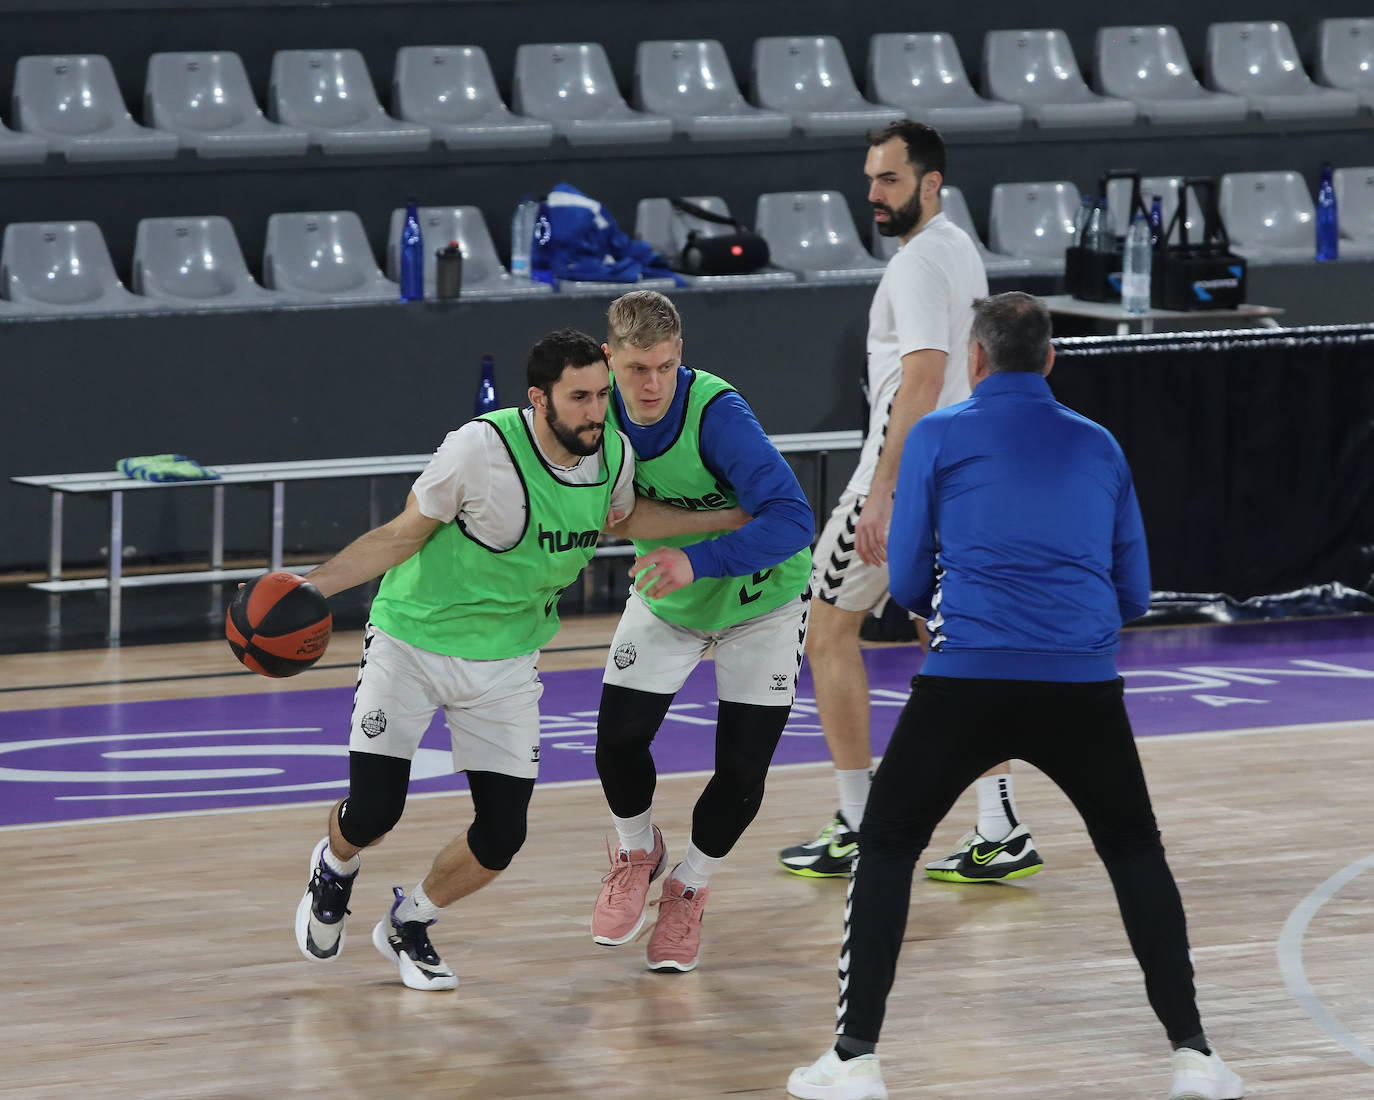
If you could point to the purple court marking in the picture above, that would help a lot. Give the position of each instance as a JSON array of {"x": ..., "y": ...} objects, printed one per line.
[{"x": 75, "y": 763}]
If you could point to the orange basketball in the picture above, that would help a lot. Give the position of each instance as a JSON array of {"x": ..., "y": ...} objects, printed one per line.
[{"x": 278, "y": 625}]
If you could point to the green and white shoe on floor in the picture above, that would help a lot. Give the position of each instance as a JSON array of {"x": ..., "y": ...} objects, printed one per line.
[
  {"x": 979, "y": 860},
  {"x": 830, "y": 855}
]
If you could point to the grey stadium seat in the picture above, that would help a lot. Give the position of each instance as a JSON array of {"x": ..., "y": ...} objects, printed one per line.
[
  {"x": 692, "y": 84},
  {"x": 1355, "y": 203},
  {"x": 665, "y": 228},
  {"x": 1166, "y": 187},
  {"x": 1260, "y": 62},
  {"x": 924, "y": 76},
  {"x": 17, "y": 148},
  {"x": 205, "y": 99},
  {"x": 1149, "y": 66},
  {"x": 324, "y": 257},
  {"x": 572, "y": 86},
  {"x": 451, "y": 90},
  {"x": 329, "y": 93},
  {"x": 63, "y": 267},
  {"x": 813, "y": 234},
  {"x": 956, "y": 210},
  {"x": 1268, "y": 215},
  {"x": 810, "y": 80},
  {"x": 1037, "y": 69},
  {"x": 75, "y": 105},
  {"x": 1035, "y": 220},
  {"x": 1345, "y": 56},
  {"x": 483, "y": 274},
  {"x": 195, "y": 263}
]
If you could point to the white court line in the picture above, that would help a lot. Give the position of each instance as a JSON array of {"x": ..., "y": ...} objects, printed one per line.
[
  {"x": 1315, "y": 727},
  {"x": 1290, "y": 957}
]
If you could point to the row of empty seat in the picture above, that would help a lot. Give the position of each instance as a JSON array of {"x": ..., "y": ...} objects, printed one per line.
[
  {"x": 1268, "y": 216},
  {"x": 318, "y": 257},
  {"x": 326, "y": 98}
]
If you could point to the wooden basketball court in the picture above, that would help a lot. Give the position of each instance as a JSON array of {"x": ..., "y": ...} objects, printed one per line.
[{"x": 154, "y": 957}]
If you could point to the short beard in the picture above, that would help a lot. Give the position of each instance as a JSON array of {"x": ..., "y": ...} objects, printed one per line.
[
  {"x": 904, "y": 219},
  {"x": 568, "y": 438}
]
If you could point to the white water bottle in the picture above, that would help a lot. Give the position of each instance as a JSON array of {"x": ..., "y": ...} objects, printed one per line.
[
  {"x": 522, "y": 237},
  {"x": 1135, "y": 278}
]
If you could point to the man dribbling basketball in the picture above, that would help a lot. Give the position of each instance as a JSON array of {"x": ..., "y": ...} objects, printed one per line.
[{"x": 502, "y": 519}]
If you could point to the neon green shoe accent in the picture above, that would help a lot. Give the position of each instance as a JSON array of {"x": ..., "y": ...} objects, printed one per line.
[
  {"x": 955, "y": 876},
  {"x": 807, "y": 872}
]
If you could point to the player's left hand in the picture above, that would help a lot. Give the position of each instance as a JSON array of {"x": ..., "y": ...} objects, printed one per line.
[
  {"x": 870, "y": 532},
  {"x": 662, "y": 571}
]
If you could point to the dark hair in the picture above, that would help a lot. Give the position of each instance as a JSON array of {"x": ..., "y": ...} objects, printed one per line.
[
  {"x": 567, "y": 347},
  {"x": 1014, "y": 331},
  {"x": 924, "y": 146}
]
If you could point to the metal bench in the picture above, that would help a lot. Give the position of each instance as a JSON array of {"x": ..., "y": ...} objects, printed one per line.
[{"x": 103, "y": 484}]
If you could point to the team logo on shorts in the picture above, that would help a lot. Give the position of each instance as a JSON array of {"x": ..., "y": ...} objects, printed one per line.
[
  {"x": 780, "y": 680},
  {"x": 534, "y": 755},
  {"x": 625, "y": 656},
  {"x": 374, "y": 723}
]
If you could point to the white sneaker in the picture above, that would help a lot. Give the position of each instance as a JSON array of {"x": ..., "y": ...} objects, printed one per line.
[
  {"x": 1199, "y": 1076},
  {"x": 828, "y": 1078},
  {"x": 407, "y": 945}
]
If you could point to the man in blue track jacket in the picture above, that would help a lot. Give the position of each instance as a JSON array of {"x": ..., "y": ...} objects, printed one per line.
[{"x": 1016, "y": 531}]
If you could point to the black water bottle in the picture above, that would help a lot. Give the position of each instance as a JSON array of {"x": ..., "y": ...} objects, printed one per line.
[{"x": 448, "y": 271}]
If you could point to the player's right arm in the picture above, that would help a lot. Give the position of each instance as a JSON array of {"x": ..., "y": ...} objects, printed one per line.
[
  {"x": 372, "y": 554},
  {"x": 457, "y": 478}
]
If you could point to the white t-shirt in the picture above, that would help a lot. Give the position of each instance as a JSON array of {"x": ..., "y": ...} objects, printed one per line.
[
  {"x": 925, "y": 300},
  {"x": 471, "y": 475}
]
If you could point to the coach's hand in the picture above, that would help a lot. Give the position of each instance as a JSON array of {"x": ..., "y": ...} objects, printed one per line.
[
  {"x": 870, "y": 532},
  {"x": 662, "y": 571}
]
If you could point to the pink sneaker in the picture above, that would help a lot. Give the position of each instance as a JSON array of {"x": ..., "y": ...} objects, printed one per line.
[
  {"x": 623, "y": 901},
  {"x": 675, "y": 942}
]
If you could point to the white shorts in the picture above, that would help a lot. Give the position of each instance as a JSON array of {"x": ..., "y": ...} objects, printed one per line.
[
  {"x": 491, "y": 708},
  {"x": 838, "y": 575},
  {"x": 756, "y": 661}
]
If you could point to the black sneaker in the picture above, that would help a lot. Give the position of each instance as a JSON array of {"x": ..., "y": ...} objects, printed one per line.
[
  {"x": 323, "y": 912},
  {"x": 407, "y": 945},
  {"x": 830, "y": 855},
  {"x": 979, "y": 860}
]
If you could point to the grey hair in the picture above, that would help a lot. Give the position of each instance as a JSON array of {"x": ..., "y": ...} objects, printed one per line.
[{"x": 1013, "y": 330}]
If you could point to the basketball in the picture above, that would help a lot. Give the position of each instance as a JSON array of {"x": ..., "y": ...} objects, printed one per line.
[{"x": 278, "y": 625}]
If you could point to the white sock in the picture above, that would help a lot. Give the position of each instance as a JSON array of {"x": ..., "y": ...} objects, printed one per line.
[
  {"x": 853, "y": 786},
  {"x": 996, "y": 810},
  {"x": 636, "y": 833},
  {"x": 417, "y": 907},
  {"x": 695, "y": 869},
  {"x": 341, "y": 866}
]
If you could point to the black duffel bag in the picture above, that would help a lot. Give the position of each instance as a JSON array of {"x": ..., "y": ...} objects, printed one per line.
[{"x": 739, "y": 253}]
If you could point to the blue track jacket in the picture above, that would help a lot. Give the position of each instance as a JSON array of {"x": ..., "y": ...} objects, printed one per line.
[{"x": 1016, "y": 530}]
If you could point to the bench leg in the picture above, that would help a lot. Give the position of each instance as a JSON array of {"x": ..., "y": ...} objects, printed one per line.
[
  {"x": 278, "y": 522},
  {"x": 116, "y": 563},
  {"x": 217, "y": 527},
  {"x": 55, "y": 539}
]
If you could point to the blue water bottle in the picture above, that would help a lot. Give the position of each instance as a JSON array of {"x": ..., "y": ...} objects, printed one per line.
[
  {"x": 1328, "y": 228},
  {"x": 1156, "y": 222},
  {"x": 486, "y": 389},
  {"x": 412, "y": 256}
]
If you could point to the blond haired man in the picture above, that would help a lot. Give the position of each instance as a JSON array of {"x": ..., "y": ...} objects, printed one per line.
[{"x": 698, "y": 446}]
